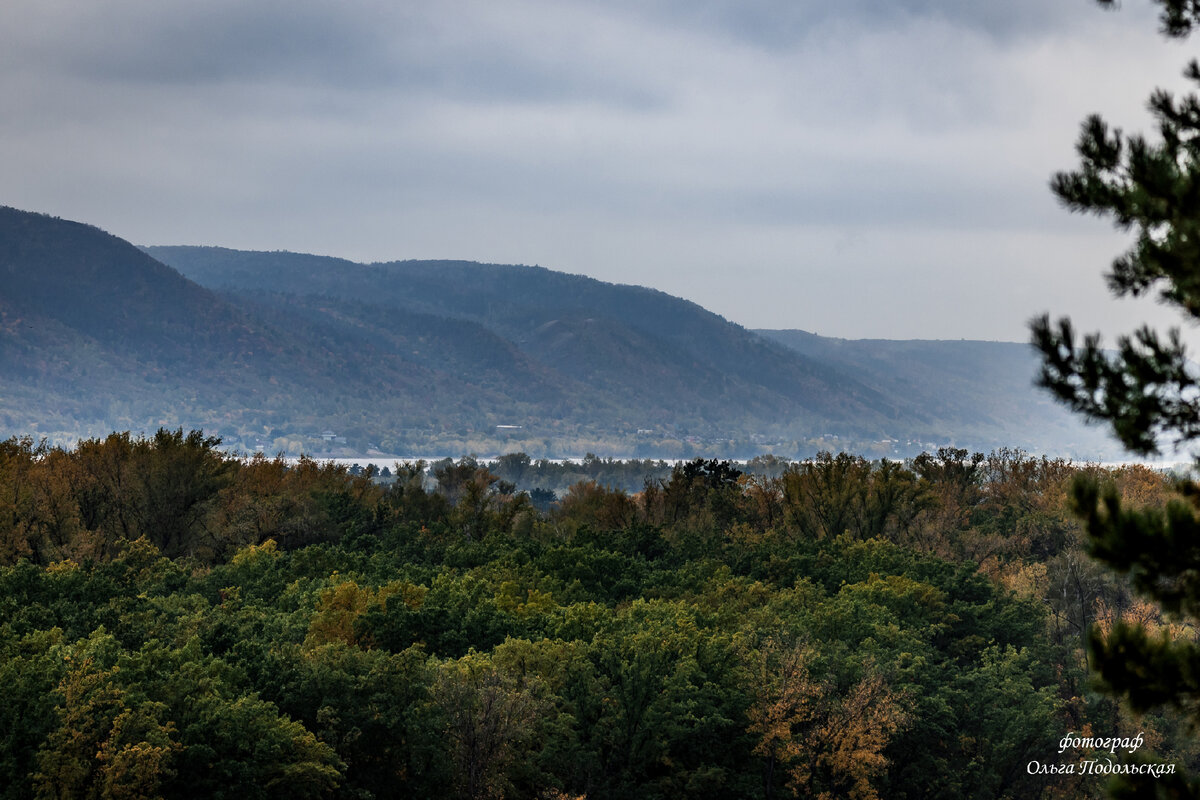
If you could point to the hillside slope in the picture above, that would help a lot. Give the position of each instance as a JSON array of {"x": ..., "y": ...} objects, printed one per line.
[
  {"x": 95, "y": 335},
  {"x": 986, "y": 388},
  {"x": 292, "y": 352},
  {"x": 667, "y": 356},
  {"x": 668, "y": 361}
]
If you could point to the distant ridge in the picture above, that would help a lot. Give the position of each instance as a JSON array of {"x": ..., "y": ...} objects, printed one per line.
[
  {"x": 636, "y": 341},
  {"x": 286, "y": 351},
  {"x": 985, "y": 387}
]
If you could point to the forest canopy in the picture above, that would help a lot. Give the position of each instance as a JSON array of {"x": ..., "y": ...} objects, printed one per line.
[{"x": 175, "y": 622}]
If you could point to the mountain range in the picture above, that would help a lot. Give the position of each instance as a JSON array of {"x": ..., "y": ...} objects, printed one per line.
[{"x": 289, "y": 352}]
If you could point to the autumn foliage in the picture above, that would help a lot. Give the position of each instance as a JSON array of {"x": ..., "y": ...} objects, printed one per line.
[{"x": 179, "y": 623}]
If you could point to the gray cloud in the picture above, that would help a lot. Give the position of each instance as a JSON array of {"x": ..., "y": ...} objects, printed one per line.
[
  {"x": 788, "y": 23},
  {"x": 451, "y": 49},
  {"x": 180, "y": 42}
]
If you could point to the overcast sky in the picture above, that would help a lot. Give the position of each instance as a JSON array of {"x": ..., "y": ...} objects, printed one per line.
[{"x": 857, "y": 168}]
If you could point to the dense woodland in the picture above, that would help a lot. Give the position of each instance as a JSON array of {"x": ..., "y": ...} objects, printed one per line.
[{"x": 178, "y": 623}]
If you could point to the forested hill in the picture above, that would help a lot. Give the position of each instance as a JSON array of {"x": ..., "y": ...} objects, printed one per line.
[
  {"x": 289, "y": 352},
  {"x": 95, "y": 336},
  {"x": 663, "y": 351},
  {"x": 985, "y": 387},
  {"x": 662, "y": 354}
]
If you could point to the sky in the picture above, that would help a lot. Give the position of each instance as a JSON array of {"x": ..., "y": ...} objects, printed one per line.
[{"x": 859, "y": 168}]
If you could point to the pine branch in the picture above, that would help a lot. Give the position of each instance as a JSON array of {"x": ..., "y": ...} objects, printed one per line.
[{"x": 1145, "y": 390}]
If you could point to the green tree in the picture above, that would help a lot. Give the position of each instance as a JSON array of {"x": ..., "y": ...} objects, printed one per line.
[
  {"x": 18, "y": 464},
  {"x": 488, "y": 719},
  {"x": 830, "y": 495},
  {"x": 31, "y": 666},
  {"x": 826, "y": 496},
  {"x": 105, "y": 746},
  {"x": 1146, "y": 390}
]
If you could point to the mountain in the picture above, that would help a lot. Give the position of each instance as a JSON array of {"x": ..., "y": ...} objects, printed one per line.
[
  {"x": 986, "y": 388},
  {"x": 670, "y": 356},
  {"x": 671, "y": 367},
  {"x": 294, "y": 352},
  {"x": 96, "y": 335},
  {"x": 661, "y": 353}
]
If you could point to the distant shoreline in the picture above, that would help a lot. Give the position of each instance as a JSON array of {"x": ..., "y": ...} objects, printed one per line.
[{"x": 390, "y": 461}]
